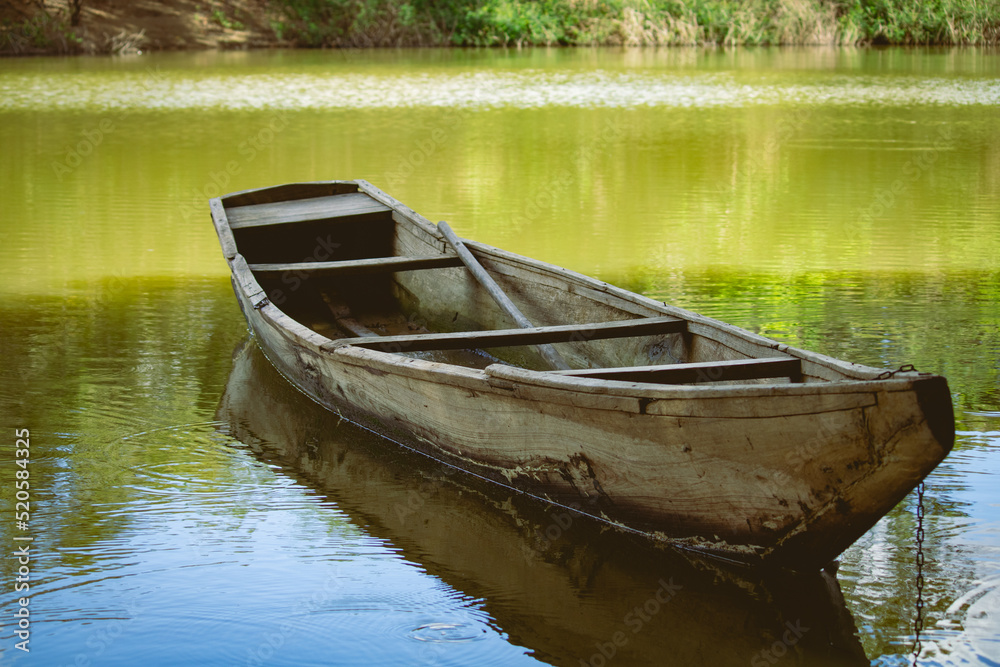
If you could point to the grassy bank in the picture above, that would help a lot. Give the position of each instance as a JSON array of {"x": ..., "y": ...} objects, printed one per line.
[
  {"x": 68, "y": 26},
  {"x": 639, "y": 22}
]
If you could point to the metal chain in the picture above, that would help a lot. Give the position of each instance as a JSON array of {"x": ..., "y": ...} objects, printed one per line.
[
  {"x": 918, "y": 622},
  {"x": 906, "y": 368}
]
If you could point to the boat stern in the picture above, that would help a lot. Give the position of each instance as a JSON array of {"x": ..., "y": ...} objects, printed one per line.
[{"x": 911, "y": 429}]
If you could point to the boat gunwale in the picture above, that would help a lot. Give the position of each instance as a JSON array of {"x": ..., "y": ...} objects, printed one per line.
[{"x": 502, "y": 377}]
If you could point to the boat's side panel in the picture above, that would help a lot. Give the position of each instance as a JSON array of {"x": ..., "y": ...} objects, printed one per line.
[
  {"x": 909, "y": 433},
  {"x": 453, "y": 300},
  {"x": 735, "y": 485}
]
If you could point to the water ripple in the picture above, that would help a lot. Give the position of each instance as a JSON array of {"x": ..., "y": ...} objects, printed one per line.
[
  {"x": 522, "y": 89},
  {"x": 448, "y": 633}
]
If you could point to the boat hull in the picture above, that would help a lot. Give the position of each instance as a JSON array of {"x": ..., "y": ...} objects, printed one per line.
[
  {"x": 787, "y": 477},
  {"x": 784, "y": 472}
]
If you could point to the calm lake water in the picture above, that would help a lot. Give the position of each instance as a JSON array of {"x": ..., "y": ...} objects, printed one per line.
[{"x": 188, "y": 507}]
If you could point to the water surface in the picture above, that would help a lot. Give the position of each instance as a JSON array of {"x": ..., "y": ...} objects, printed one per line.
[{"x": 844, "y": 201}]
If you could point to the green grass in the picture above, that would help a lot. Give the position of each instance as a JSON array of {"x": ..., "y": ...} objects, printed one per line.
[
  {"x": 219, "y": 17},
  {"x": 372, "y": 23},
  {"x": 637, "y": 22}
]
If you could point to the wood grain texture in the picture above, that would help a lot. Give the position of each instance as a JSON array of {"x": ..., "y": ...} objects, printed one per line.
[
  {"x": 344, "y": 207},
  {"x": 221, "y": 222},
  {"x": 247, "y": 283},
  {"x": 363, "y": 266},
  {"x": 706, "y": 371},
  {"x": 513, "y": 337},
  {"x": 289, "y": 192}
]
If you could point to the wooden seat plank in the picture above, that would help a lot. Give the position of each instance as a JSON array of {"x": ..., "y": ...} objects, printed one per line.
[
  {"x": 364, "y": 266},
  {"x": 709, "y": 371},
  {"x": 650, "y": 326},
  {"x": 353, "y": 206}
]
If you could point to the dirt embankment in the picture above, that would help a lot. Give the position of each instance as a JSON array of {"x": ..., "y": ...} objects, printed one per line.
[{"x": 130, "y": 26}]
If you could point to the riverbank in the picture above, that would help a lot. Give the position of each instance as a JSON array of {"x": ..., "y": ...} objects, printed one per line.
[{"x": 115, "y": 26}]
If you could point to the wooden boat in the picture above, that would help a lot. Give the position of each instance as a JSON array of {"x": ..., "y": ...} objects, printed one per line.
[{"x": 645, "y": 416}]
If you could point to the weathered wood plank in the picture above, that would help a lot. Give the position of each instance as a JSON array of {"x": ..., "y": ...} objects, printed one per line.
[
  {"x": 288, "y": 192},
  {"x": 221, "y": 222},
  {"x": 364, "y": 266},
  {"x": 511, "y": 337},
  {"x": 353, "y": 206},
  {"x": 710, "y": 371},
  {"x": 343, "y": 318},
  {"x": 402, "y": 213},
  {"x": 712, "y": 339},
  {"x": 253, "y": 291},
  {"x": 547, "y": 351}
]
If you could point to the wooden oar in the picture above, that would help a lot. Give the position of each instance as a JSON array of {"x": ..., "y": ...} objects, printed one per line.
[{"x": 495, "y": 291}]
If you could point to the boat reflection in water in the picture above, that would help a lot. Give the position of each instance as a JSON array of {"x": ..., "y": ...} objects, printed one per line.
[{"x": 572, "y": 591}]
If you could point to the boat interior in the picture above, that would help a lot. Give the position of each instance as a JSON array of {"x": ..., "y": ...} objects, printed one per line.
[{"x": 357, "y": 267}]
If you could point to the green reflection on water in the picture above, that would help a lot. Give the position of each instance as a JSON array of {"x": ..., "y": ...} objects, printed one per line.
[
  {"x": 688, "y": 203},
  {"x": 783, "y": 187}
]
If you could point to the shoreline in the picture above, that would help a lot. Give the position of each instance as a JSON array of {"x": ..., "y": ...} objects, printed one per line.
[
  {"x": 101, "y": 27},
  {"x": 4, "y": 56}
]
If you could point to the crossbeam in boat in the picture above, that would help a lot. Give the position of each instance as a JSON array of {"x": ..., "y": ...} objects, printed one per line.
[
  {"x": 708, "y": 371},
  {"x": 363, "y": 266},
  {"x": 350, "y": 207},
  {"x": 650, "y": 326}
]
